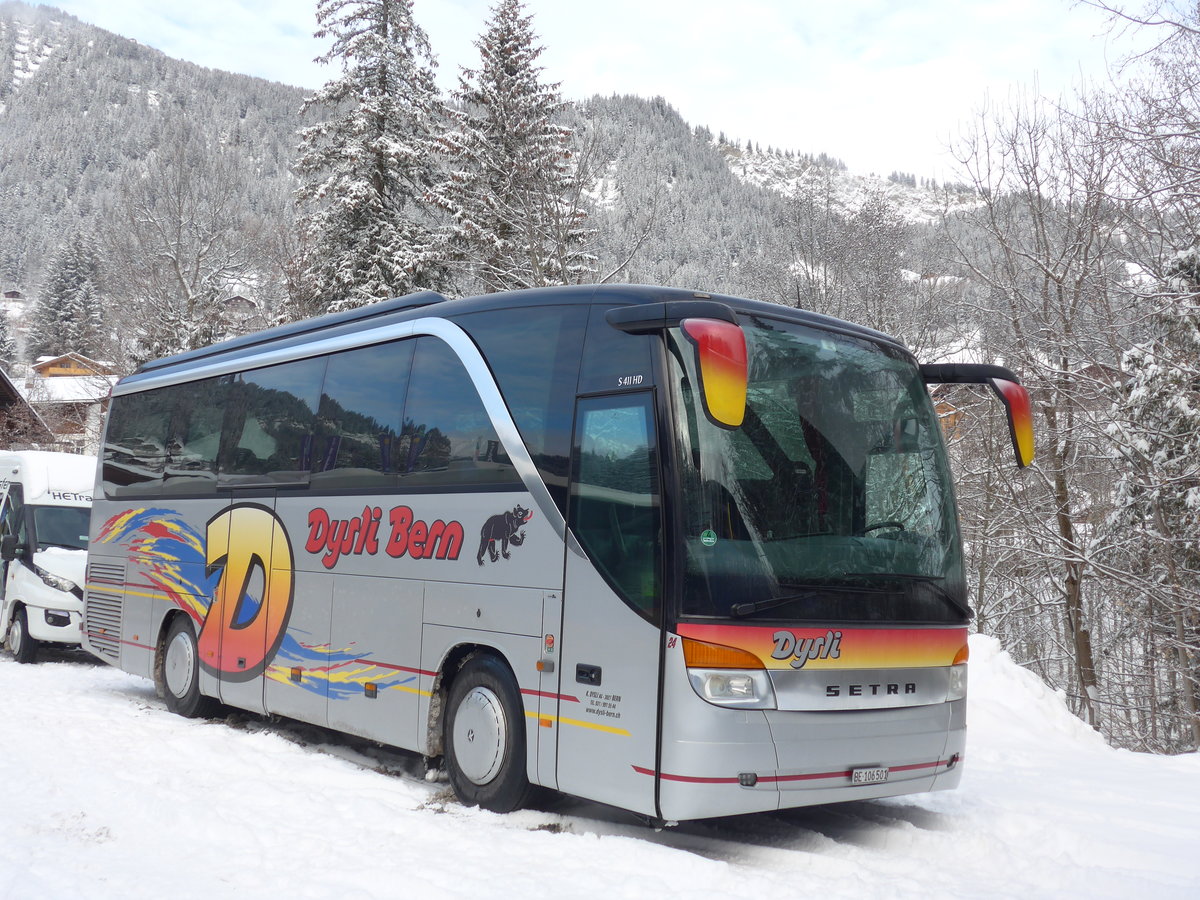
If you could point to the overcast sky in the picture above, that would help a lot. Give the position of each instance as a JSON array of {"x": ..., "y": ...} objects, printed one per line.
[{"x": 881, "y": 84}]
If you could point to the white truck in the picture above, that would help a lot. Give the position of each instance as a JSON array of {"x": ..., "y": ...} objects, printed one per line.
[{"x": 45, "y": 502}]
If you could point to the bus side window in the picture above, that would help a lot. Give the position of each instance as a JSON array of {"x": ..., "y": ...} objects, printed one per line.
[
  {"x": 135, "y": 443},
  {"x": 448, "y": 437},
  {"x": 615, "y": 497},
  {"x": 195, "y": 436},
  {"x": 360, "y": 421},
  {"x": 269, "y": 422},
  {"x": 535, "y": 354}
]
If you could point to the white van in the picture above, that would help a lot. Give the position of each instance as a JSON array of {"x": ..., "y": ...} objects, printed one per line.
[{"x": 45, "y": 501}]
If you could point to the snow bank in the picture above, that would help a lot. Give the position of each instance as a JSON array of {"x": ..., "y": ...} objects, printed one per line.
[{"x": 1009, "y": 703}]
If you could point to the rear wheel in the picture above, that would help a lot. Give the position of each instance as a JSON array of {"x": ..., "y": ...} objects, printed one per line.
[
  {"x": 23, "y": 647},
  {"x": 179, "y": 671},
  {"x": 485, "y": 737}
]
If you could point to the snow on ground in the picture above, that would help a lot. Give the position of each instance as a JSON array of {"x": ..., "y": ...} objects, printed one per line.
[{"x": 106, "y": 795}]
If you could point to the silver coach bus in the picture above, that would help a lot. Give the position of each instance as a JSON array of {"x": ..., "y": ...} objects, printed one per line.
[{"x": 683, "y": 554}]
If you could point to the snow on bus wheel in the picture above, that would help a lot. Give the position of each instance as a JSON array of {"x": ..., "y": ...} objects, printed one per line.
[
  {"x": 485, "y": 736},
  {"x": 178, "y": 664},
  {"x": 23, "y": 647}
]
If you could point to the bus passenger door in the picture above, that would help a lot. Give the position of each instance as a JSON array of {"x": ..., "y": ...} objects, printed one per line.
[{"x": 612, "y": 607}]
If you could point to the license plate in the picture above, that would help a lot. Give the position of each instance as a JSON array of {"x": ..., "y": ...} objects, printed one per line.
[{"x": 869, "y": 776}]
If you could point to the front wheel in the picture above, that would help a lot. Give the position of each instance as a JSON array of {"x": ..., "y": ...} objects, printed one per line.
[
  {"x": 178, "y": 671},
  {"x": 23, "y": 647},
  {"x": 485, "y": 737}
]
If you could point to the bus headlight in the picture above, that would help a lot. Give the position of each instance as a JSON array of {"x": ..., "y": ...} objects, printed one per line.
[
  {"x": 958, "y": 682},
  {"x": 730, "y": 687},
  {"x": 728, "y": 676}
]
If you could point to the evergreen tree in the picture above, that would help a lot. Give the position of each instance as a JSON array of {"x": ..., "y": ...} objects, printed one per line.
[
  {"x": 83, "y": 322},
  {"x": 368, "y": 168},
  {"x": 514, "y": 197},
  {"x": 74, "y": 269},
  {"x": 8, "y": 346}
]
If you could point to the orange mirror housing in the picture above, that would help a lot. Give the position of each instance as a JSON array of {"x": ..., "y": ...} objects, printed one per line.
[{"x": 722, "y": 362}]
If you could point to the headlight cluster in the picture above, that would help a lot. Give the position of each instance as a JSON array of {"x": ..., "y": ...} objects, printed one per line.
[
  {"x": 729, "y": 687},
  {"x": 58, "y": 582},
  {"x": 728, "y": 676}
]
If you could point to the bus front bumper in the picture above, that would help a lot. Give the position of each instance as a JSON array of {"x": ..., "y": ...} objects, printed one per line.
[{"x": 727, "y": 762}]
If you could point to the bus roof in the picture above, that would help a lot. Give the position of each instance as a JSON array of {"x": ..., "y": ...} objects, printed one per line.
[{"x": 413, "y": 306}]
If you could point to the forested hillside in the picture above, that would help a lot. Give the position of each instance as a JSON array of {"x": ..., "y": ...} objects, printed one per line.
[{"x": 82, "y": 110}]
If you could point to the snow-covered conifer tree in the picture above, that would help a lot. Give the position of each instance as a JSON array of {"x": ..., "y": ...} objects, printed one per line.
[
  {"x": 370, "y": 165},
  {"x": 514, "y": 195},
  {"x": 74, "y": 266},
  {"x": 83, "y": 324},
  {"x": 8, "y": 346}
]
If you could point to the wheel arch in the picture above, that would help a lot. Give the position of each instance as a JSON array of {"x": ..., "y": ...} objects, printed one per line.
[
  {"x": 9, "y": 613},
  {"x": 452, "y": 663},
  {"x": 160, "y": 646}
]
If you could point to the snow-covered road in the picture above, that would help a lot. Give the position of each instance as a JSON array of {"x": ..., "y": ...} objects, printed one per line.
[{"x": 103, "y": 794}]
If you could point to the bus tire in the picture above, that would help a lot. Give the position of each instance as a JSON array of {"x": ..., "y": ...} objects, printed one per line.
[
  {"x": 484, "y": 737},
  {"x": 179, "y": 671},
  {"x": 23, "y": 647}
]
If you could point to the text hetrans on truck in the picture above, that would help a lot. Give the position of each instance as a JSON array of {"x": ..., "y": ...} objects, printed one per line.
[
  {"x": 682, "y": 554},
  {"x": 44, "y": 500}
]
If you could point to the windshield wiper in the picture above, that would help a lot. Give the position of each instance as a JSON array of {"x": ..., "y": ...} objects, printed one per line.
[
  {"x": 738, "y": 610},
  {"x": 931, "y": 580}
]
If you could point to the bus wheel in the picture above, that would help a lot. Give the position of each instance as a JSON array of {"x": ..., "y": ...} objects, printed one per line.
[
  {"x": 485, "y": 737},
  {"x": 23, "y": 647},
  {"x": 179, "y": 671}
]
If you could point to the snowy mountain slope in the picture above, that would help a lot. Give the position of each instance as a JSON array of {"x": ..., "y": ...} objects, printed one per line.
[
  {"x": 81, "y": 109},
  {"x": 108, "y": 795},
  {"x": 798, "y": 177}
]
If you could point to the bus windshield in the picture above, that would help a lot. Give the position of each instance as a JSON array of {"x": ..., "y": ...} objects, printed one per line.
[{"x": 832, "y": 501}]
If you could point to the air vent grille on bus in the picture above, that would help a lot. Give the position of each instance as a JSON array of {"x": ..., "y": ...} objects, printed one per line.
[
  {"x": 106, "y": 573},
  {"x": 102, "y": 622}
]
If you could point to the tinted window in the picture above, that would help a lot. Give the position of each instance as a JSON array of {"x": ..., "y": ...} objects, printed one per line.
[
  {"x": 135, "y": 443},
  {"x": 448, "y": 437},
  {"x": 269, "y": 422},
  {"x": 534, "y": 354},
  {"x": 613, "y": 360},
  {"x": 195, "y": 435},
  {"x": 615, "y": 498},
  {"x": 360, "y": 437}
]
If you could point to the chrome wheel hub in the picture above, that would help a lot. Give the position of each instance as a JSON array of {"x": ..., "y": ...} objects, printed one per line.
[
  {"x": 480, "y": 735},
  {"x": 180, "y": 664}
]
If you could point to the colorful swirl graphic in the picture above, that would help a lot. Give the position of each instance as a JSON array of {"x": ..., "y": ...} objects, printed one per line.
[
  {"x": 338, "y": 674},
  {"x": 169, "y": 553},
  {"x": 213, "y": 573}
]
